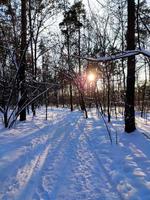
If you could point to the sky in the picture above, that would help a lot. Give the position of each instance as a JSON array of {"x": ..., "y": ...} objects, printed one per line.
[{"x": 95, "y": 4}]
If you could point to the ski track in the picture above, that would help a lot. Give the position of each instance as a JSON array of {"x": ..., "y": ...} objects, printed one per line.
[
  {"x": 72, "y": 159},
  {"x": 22, "y": 165}
]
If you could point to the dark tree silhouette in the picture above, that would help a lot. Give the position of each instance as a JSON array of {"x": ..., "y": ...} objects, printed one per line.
[
  {"x": 129, "y": 103},
  {"x": 23, "y": 61}
]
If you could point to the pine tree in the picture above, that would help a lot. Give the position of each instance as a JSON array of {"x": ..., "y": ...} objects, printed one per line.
[
  {"x": 23, "y": 62},
  {"x": 129, "y": 102}
]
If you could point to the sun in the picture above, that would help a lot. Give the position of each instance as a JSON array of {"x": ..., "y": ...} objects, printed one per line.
[{"x": 91, "y": 77}]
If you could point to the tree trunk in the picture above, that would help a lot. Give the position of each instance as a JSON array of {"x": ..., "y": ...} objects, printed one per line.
[
  {"x": 108, "y": 98},
  {"x": 71, "y": 98},
  {"x": 32, "y": 53},
  {"x": 129, "y": 103},
  {"x": 144, "y": 93},
  {"x": 69, "y": 66},
  {"x": 23, "y": 61}
]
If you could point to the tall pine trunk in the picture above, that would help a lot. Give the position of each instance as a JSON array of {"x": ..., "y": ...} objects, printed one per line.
[
  {"x": 69, "y": 67},
  {"x": 23, "y": 61},
  {"x": 130, "y": 92},
  {"x": 32, "y": 52}
]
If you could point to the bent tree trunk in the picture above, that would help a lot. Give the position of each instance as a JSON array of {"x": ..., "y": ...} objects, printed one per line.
[{"x": 129, "y": 102}]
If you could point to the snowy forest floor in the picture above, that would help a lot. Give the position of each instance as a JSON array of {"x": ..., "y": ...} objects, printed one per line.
[{"x": 69, "y": 157}]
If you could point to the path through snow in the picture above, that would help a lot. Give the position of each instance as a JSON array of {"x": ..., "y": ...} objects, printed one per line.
[{"x": 71, "y": 158}]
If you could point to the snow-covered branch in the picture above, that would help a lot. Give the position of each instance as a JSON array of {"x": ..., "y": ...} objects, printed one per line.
[{"x": 124, "y": 54}]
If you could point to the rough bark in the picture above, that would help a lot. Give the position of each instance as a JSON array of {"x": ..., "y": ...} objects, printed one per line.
[
  {"x": 130, "y": 92},
  {"x": 23, "y": 61}
]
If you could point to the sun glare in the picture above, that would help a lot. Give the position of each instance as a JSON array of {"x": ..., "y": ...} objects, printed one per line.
[{"x": 91, "y": 77}]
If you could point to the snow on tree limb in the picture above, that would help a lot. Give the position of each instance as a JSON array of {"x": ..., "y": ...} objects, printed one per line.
[
  {"x": 124, "y": 54},
  {"x": 145, "y": 53},
  {"x": 1, "y": 109}
]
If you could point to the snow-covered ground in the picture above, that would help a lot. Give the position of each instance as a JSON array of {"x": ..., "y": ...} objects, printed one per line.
[{"x": 71, "y": 158}]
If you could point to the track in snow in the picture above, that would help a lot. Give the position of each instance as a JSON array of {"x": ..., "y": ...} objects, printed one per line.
[{"x": 65, "y": 160}]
